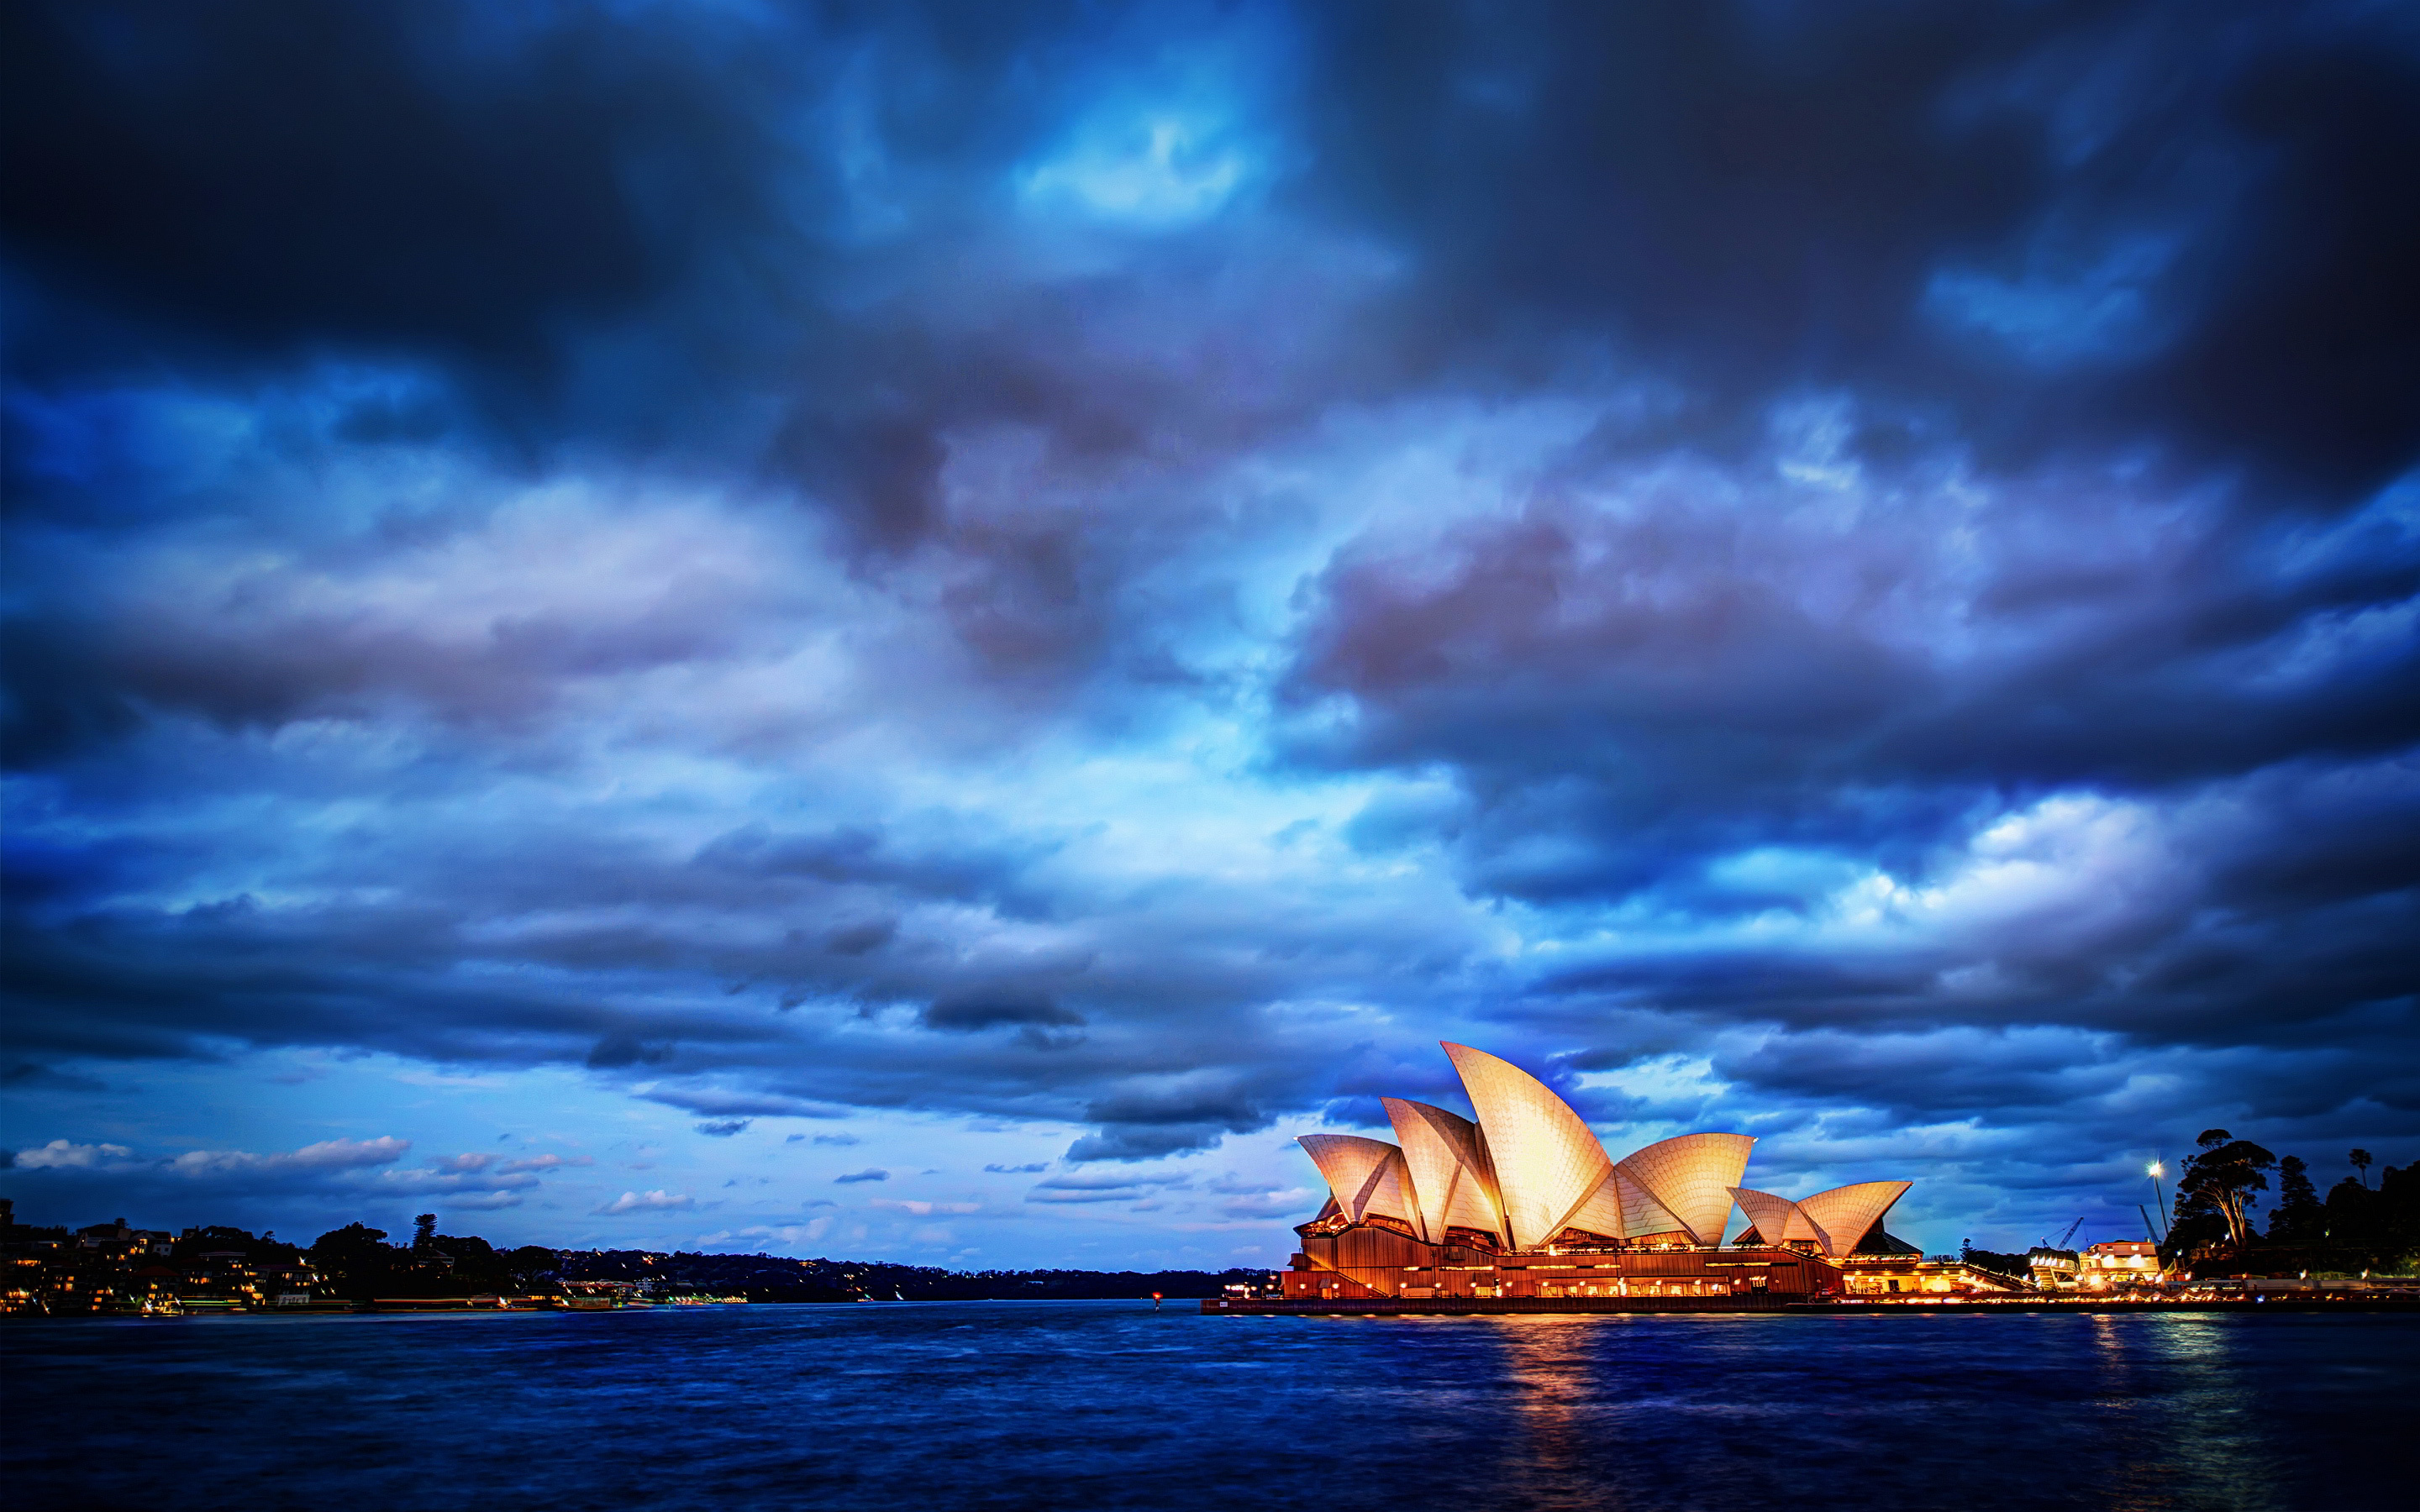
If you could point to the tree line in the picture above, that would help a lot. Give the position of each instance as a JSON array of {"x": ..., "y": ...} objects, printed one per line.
[
  {"x": 357, "y": 1261},
  {"x": 2356, "y": 1225}
]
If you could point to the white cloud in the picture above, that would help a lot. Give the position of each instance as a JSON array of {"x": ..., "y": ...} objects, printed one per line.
[
  {"x": 1103, "y": 1186},
  {"x": 542, "y": 1163},
  {"x": 790, "y": 1236},
  {"x": 1286, "y": 1203},
  {"x": 657, "y": 1201},
  {"x": 483, "y": 1201},
  {"x": 1159, "y": 168},
  {"x": 328, "y": 1156},
  {"x": 493, "y": 1183},
  {"x": 61, "y": 1154}
]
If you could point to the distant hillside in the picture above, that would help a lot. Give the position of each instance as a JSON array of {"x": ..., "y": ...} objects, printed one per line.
[{"x": 778, "y": 1278}]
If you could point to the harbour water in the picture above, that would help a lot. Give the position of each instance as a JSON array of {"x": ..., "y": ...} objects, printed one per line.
[{"x": 1077, "y": 1404}]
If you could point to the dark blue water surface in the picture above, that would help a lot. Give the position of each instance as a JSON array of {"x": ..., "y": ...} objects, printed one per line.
[{"x": 946, "y": 1405}]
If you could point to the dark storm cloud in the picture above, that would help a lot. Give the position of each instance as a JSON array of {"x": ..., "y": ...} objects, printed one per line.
[
  {"x": 2065, "y": 223},
  {"x": 2037, "y": 1074},
  {"x": 1684, "y": 672},
  {"x": 1712, "y": 711},
  {"x": 1088, "y": 1187},
  {"x": 329, "y": 1181},
  {"x": 246, "y": 186},
  {"x": 959, "y": 867},
  {"x": 463, "y": 982},
  {"x": 1149, "y": 1124},
  {"x": 1695, "y": 626},
  {"x": 737, "y": 1107},
  {"x": 457, "y": 179},
  {"x": 1133, "y": 569},
  {"x": 628, "y": 227},
  {"x": 966, "y": 1015}
]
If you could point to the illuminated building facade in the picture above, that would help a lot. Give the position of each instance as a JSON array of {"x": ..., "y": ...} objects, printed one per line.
[
  {"x": 2053, "y": 1269},
  {"x": 1524, "y": 1204},
  {"x": 2118, "y": 1263}
]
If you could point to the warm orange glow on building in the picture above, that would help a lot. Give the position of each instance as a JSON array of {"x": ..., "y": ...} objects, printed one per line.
[{"x": 1524, "y": 1204}]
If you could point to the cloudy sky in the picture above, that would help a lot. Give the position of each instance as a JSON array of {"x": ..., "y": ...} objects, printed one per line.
[{"x": 923, "y": 632}]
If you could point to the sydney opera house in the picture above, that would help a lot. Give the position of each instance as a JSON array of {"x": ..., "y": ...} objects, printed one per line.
[{"x": 1524, "y": 1207}]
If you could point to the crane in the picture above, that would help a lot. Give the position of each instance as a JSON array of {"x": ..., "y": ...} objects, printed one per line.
[{"x": 2064, "y": 1238}]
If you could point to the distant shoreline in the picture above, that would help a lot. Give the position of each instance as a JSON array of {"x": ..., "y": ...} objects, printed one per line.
[{"x": 473, "y": 1306}]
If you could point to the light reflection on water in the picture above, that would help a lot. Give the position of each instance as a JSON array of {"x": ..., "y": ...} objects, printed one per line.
[{"x": 1112, "y": 1405}]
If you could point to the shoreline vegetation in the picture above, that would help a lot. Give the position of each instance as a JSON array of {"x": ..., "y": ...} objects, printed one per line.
[
  {"x": 112, "y": 1270},
  {"x": 2359, "y": 1230}
]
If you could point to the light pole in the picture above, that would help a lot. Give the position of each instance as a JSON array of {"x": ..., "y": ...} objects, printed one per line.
[{"x": 2156, "y": 1171}]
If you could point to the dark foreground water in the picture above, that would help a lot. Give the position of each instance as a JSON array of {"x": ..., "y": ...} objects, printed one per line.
[{"x": 930, "y": 1407}]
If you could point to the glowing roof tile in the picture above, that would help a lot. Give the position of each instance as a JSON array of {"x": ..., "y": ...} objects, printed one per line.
[
  {"x": 1602, "y": 1214},
  {"x": 1641, "y": 1214}
]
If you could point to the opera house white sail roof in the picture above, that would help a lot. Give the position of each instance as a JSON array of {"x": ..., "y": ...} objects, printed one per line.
[
  {"x": 1530, "y": 1170},
  {"x": 1555, "y": 1163},
  {"x": 1365, "y": 1175},
  {"x": 1452, "y": 1183},
  {"x": 1837, "y": 1221}
]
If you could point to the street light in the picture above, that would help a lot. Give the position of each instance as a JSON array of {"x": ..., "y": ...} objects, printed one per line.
[{"x": 2155, "y": 1170}]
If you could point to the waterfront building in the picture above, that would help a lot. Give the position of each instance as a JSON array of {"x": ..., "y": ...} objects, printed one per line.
[
  {"x": 1921, "y": 1275},
  {"x": 1523, "y": 1201},
  {"x": 2118, "y": 1262},
  {"x": 2053, "y": 1269}
]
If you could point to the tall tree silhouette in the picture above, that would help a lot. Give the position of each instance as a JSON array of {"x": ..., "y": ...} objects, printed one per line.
[
  {"x": 2301, "y": 1217},
  {"x": 2222, "y": 1180}
]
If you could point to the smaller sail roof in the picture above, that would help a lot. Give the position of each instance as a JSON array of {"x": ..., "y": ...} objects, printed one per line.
[
  {"x": 1452, "y": 1185},
  {"x": 1366, "y": 1176},
  {"x": 1847, "y": 1213},
  {"x": 1690, "y": 1178},
  {"x": 1837, "y": 1221},
  {"x": 1772, "y": 1217}
]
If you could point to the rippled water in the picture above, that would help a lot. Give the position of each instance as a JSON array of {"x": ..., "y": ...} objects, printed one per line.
[{"x": 937, "y": 1406}]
